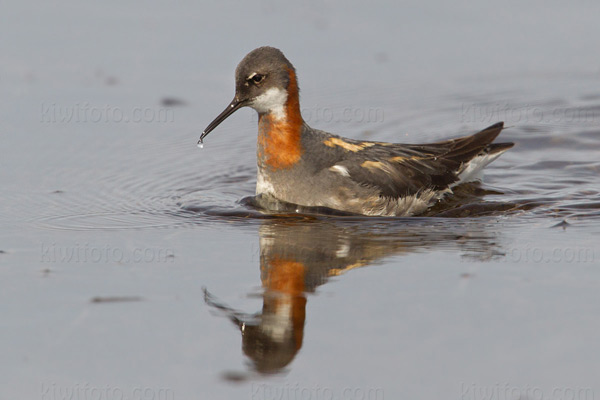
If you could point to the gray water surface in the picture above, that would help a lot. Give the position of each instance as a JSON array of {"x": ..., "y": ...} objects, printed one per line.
[{"x": 130, "y": 267}]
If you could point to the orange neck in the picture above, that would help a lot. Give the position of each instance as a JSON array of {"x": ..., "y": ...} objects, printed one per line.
[
  {"x": 286, "y": 278},
  {"x": 279, "y": 139}
]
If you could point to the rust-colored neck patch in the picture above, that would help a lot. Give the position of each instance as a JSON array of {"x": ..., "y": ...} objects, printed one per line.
[
  {"x": 279, "y": 139},
  {"x": 286, "y": 277}
]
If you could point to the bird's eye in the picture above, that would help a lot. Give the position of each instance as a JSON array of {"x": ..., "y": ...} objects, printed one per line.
[{"x": 257, "y": 78}]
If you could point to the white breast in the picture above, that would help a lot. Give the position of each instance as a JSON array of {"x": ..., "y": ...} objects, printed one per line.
[{"x": 263, "y": 185}]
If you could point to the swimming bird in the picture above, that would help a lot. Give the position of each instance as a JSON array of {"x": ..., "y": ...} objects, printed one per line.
[{"x": 311, "y": 168}]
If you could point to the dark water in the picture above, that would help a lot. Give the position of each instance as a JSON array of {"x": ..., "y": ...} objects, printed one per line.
[{"x": 131, "y": 264}]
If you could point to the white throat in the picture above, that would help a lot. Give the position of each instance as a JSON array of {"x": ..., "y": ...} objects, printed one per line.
[{"x": 272, "y": 101}]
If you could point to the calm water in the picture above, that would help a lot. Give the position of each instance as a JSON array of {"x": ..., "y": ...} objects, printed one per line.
[{"x": 131, "y": 268}]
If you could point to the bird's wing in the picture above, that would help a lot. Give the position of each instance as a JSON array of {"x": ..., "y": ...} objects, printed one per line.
[
  {"x": 401, "y": 172},
  {"x": 398, "y": 170}
]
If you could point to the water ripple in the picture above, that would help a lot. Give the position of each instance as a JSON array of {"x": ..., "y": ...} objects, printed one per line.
[{"x": 551, "y": 172}]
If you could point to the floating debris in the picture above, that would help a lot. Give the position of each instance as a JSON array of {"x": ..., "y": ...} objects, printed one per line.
[
  {"x": 234, "y": 376},
  {"x": 172, "y": 102},
  {"x": 562, "y": 224},
  {"x": 111, "y": 81},
  {"x": 115, "y": 299}
]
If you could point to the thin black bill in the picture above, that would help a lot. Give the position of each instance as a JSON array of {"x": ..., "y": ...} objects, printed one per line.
[{"x": 231, "y": 108}]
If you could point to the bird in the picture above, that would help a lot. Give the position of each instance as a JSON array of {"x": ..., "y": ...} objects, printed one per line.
[{"x": 303, "y": 166}]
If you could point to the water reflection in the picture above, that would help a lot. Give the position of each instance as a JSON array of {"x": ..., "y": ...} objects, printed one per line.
[{"x": 298, "y": 256}]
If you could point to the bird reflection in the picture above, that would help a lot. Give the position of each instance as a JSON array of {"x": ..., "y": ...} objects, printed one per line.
[{"x": 298, "y": 256}]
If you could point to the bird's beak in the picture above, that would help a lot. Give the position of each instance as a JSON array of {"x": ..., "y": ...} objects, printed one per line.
[{"x": 231, "y": 108}]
